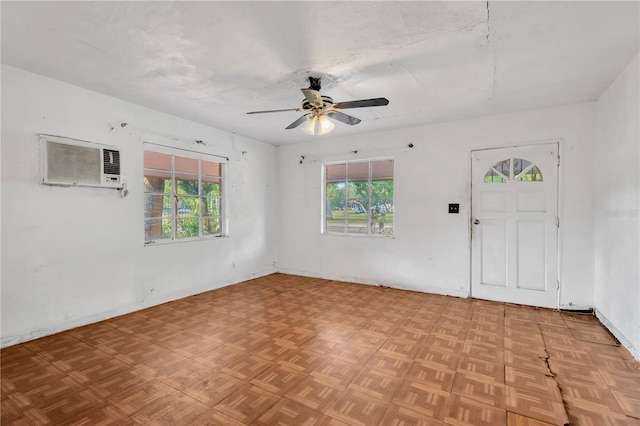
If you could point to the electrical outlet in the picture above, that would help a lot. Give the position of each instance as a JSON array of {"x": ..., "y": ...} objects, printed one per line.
[{"x": 454, "y": 208}]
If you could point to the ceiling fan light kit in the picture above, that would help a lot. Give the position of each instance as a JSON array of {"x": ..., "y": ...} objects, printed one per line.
[
  {"x": 319, "y": 109},
  {"x": 318, "y": 124}
]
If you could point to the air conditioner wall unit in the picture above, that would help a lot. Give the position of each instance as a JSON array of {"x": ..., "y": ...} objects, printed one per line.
[{"x": 72, "y": 162}]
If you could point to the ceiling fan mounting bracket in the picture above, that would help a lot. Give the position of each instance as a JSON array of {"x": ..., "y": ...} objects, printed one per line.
[{"x": 314, "y": 83}]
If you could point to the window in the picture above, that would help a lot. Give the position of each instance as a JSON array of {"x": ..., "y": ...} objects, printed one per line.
[
  {"x": 516, "y": 169},
  {"x": 359, "y": 198},
  {"x": 183, "y": 196}
]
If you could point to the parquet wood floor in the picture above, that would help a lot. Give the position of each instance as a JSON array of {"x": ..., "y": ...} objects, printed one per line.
[{"x": 290, "y": 350}]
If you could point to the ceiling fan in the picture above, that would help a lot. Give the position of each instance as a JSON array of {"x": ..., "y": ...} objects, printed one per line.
[{"x": 318, "y": 109}]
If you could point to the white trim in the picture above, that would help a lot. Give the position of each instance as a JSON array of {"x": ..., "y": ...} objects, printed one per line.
[
  {"x": 167, "y": 149},
  {"x": 635, "y": 352},
  {"x": 444, "y": 291}
]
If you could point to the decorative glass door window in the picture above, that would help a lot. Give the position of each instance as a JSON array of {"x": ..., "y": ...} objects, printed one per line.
[{"x": 513, "y": 169}]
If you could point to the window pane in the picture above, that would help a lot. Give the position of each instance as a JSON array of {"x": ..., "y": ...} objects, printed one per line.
[
  {"x": 157, "y": 172},
  {"x": 211, "y": 169},
  {"x": 157, "y": 184},
  {"x": 211, "y": 189},
  {"x": 335, "y": 193},
  {"x": 211, "y": 225},
  {"x": 187, "y": 227},
  {"x": 157, "y": 206},
  {"x": 358, "y": 200},
  {"x": 503, "y": 167},
  {"x": 532, "y": 175},
  {"x": 336, "y": 173},
  {"x": 382, "y": 170},
  {"x": 358, "y": 171},
  {"x": 493, "y": 177},
  {"x": 188, "y": 206},
  {"x": 357, "y": 215},
  {"x": 157, "y": 161},
  {"x": 519, "y": 165},
  {"x": 157, "y": 229},
  {"x": 186, "y": 165},
  {"x": 210, "y": 206},
  {"x": 382, "y": 207},
  {"x": 187, "y": 186}
]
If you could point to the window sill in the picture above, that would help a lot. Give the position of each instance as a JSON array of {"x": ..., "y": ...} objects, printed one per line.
[
  {"x": 184, "y": 240},
  {"x": 382, "y": 236}
]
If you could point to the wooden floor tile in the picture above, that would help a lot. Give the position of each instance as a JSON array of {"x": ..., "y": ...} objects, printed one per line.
[
  {"x": 357, "y": 409},
  {"x": 583, "y": 414},
  {"x": 424, "y": 399},
  {"x": 531, "y": 380},
  {"x": 397, "y": 415},
  {"x": 465, "y": 411},
  {"x": 480, "y": 389},
  {"x": 390, "y": 365},
  {"x": 287, "y": 412},
  {"x": 179, "y": 409},
  {"x": 335, "y": 371},
  {"x": 431, "y": 375},
  {"x": 547, "y": 408},
  {"x": 278, "y": 379},
  {"x": 313, "y": 393},
  {"x": 399, "y": 349},
  {"x": 518, "y": 420},
  {"x": 302, "y": 360},
  {"x": 527, "y": 361},
  {"x": 247, "y": 403},
  {"x": 215, "y": 417},
  {"x": 491, "y": 370},
  {"x": 376, "y": 384},
  {"x": 247, "y": 367},
  {"x": 284, "y": 349}
]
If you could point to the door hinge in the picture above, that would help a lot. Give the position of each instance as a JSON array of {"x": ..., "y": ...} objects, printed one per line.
[
  {"x": 558, "y": 159},
  {"x": 557, "y": 284},
  {"x": 557, "y": 222}
]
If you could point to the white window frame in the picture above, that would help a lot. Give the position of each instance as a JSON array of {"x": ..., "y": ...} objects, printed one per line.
[
  {"x": 197, "y": 155},
  {"x": 323, "y": 214}
]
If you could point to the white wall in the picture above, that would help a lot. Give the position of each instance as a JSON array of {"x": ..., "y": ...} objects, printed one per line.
[
  {"x": 617, "y": 184},
  {"x": 71, "y": 256},
  {"x": 430, "y": 250}
]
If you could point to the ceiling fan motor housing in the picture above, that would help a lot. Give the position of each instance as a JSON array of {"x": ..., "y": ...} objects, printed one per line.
[{"x": 326, "y": 102}]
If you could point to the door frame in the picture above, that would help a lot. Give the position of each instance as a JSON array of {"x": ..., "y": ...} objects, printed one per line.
[{"x": 559, "y": 203}]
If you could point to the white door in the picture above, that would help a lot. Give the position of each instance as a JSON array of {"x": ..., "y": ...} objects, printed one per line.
[{"x": 514, "y": 230}]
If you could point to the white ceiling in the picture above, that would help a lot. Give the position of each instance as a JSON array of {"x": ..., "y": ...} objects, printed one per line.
[{"x": 212, "y": 62}]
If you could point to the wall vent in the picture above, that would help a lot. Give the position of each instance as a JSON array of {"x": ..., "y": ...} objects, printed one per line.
[{"x": 72, "y": 162}]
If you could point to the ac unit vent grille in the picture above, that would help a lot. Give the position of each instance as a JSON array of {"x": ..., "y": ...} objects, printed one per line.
[
  {"x": 111, "y": 160},
  {"x": 73, "y": 164}
]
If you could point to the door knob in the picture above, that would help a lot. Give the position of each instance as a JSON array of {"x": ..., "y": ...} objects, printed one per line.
[{"x": 476, "y": 222}]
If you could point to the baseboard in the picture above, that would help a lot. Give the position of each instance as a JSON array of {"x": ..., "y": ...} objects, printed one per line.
[
  {"x": 360, "y": 280},
  {"x": 618, "y": 335}
]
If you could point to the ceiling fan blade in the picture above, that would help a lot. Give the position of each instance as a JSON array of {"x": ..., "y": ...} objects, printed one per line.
[
  {"x": 347, "y": 119},
  {"x": 274, "y": 110},
  {"x": 313, "y": 96},
  {"x": 296, "y": 123},
  {"x": 362, "y": 103}
]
